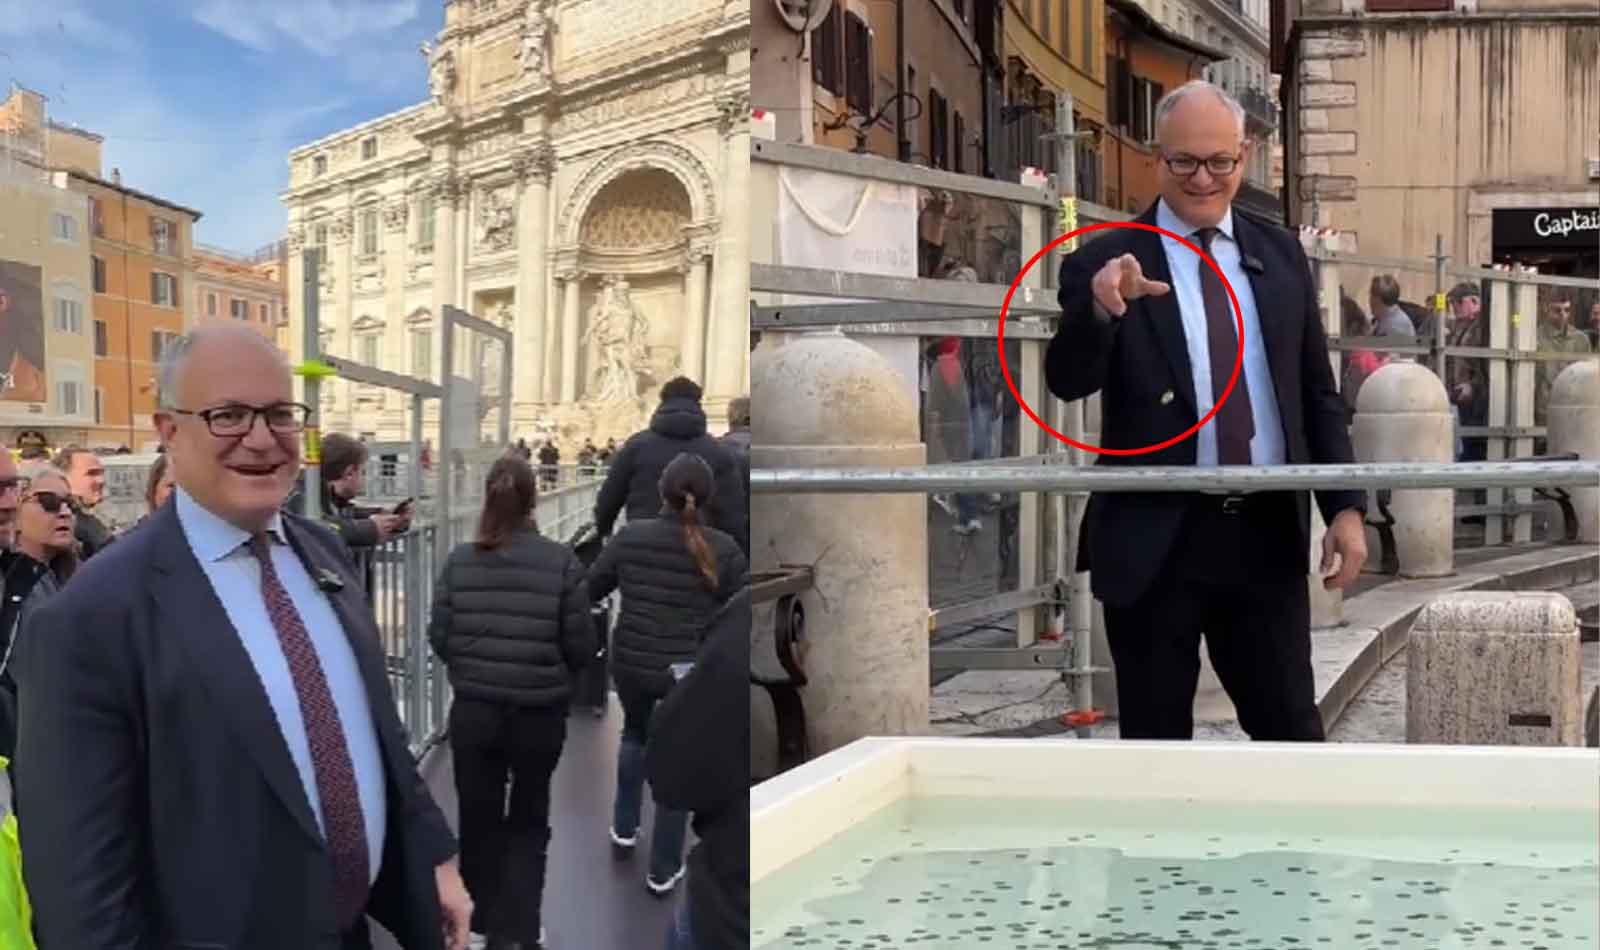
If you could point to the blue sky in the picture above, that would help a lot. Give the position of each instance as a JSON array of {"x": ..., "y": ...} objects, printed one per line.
[{"x": 200, "y": 101}]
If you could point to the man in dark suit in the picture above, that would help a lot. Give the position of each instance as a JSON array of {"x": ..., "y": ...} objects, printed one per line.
[
  {"x": 1150, "y": 327},
  {"x": 213, "y": 758}
]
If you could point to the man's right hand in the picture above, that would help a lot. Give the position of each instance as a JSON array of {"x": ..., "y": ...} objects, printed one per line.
[
  {"x": 389, "y": 525},
  {"x": 1122, "y": 280}
]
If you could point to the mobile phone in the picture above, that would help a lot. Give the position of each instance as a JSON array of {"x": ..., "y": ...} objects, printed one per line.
[
  {"x": 680, "y": 670},
  {"x": 404, "y": 508}
]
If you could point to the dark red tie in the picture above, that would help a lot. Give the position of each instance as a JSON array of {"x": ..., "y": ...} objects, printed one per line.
[
  {"x": 342, "y": 821},
  {"x": 1235, "y": 423}
]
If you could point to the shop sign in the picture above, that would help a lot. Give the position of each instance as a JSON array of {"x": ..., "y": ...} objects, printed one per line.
[{"x": 1547, "y": 227}]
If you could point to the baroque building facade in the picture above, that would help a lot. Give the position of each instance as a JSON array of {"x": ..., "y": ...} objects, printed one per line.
[{"x": 578, "y": 177}]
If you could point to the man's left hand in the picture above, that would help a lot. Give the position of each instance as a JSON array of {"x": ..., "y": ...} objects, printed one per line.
[
  {"x": 454, "y": 903},
  {"x": 1344, "y": 549}
]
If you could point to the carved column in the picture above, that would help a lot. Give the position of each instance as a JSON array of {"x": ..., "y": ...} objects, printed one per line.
[
  {"x": 447, "y": 200},
  {"x": 533, "y": 171},
  {"x": 729, "y": 327},
  {"x": 396, "y": 217},
  {"x": 573, "y": 281},
  {"x": 342, "y": 259},
  {"x": 693, "y": 345}
]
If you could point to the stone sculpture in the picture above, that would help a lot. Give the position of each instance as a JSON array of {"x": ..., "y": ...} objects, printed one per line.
[
  {"x": 496, "y": 222},
  {"x": 620, "y": 335},
  {"x": 535, "y": 40}
]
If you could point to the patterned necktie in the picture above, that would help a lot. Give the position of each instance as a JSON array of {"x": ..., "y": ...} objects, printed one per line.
[
  {"x": 1235, "y": 423},
  {"x": 344, "y": 826}
]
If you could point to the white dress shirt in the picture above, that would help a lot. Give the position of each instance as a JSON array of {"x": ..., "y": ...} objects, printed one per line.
[
  {"x": 223, "y": 552},
  {"x": 1266, "y": 447}
]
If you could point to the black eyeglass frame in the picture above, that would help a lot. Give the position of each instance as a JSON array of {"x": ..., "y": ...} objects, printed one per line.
[
  {"x": 1234, "y": 161},
  {"x": 208, "y": 416},
  {"x": 61, "y": 501}
]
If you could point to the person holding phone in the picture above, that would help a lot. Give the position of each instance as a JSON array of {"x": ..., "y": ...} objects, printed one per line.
[
  {"x": 344, "y": 462},
  {"x": 675, "y": 573}
]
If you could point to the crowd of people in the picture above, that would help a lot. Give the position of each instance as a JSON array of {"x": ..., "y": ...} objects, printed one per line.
[{"x": 153, "y": 757}]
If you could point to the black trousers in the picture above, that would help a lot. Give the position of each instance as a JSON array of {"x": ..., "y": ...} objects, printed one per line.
[
  {"x": 504, "y": 846},
  {"x": 1226, "y": 579}
]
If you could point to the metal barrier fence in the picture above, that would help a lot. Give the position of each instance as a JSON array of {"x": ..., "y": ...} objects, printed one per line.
[{"x": 1060, "y": 479}]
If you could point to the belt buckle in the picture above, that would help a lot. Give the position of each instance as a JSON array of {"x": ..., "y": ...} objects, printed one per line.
[{"x": 1232, "y": 504}]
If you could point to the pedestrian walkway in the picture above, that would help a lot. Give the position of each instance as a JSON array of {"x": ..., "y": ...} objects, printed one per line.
[{"x": 592, "y": 901}]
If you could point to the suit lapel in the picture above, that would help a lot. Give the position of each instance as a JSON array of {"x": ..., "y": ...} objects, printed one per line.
[
  {"x": 1266, "y": 287},
  {"x": 360, "y": 629},
  {"x": 191, "y": 612},
  {"x": 1165, "y": 319}
]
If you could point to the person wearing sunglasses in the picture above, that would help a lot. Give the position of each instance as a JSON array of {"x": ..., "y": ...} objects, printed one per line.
[{"x": 44, "y": 555}]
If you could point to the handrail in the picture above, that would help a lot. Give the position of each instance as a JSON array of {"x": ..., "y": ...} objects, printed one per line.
[{"x": 1172, "y": 478}]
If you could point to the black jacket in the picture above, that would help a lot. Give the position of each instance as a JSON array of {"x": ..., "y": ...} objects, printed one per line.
[
  {"x": 666, "y": 605},
  {"x": 1137, "y": 360},
  {"x": 679, "y": 425},
  {"x": 351, "y": 522},
  {"x": 24, "y": 585},
  {"x": 512, "y": 624},
  {"x": 141, "y": 712},
  {"x": 91, "y": 532},
  {"x": 697, "y": 761}
]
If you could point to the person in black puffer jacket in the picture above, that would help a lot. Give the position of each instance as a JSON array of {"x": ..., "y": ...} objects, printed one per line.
[
  {"x": 511, "y": 623},
  {"x": 674, "y": 575},
  {"x": 679, "y": 425},
  {"x": 698, "y": 761}
]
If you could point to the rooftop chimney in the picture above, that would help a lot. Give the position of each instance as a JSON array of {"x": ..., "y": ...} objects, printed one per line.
[{"x": 116, "y": 176}]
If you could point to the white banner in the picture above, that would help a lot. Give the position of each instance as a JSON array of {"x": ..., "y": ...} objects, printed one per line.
[{"x": 840, "y": 223}]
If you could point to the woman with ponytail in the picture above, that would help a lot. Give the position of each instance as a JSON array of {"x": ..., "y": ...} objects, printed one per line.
[
  {"x": 675, "y": 573},
  {"x": 511, "y": 623}
]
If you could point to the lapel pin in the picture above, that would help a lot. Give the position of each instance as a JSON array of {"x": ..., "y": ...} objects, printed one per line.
[
  {"x": 1166, "y": 397},
  {"x": 329, "y": 581}
]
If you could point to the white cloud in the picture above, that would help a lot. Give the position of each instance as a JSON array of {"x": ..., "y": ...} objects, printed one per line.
[
  {"x": 61, "y": 21},
  {"x": 322, "y": 26}
]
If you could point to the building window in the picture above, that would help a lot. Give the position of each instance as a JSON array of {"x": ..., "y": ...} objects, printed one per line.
[
  {"x": 938, "y": 130},
  {"x": 163, "y": 289},
  {"x": 266, "y": 314},
  {"x": 162, "y": 234},
  {"x": 368, "y": 352},
  {"x": 97, "y": 222},
  {"x": 159, "y": 341},
  {"x": 1065, "y": 11},
  {"x": 369, "y": 232},
  {"x": 425, "y": 223},
  {"x": 69, "y": 396},
  {"x": 64, "y": 227},
  {"x": 99, "y": 405},
  {"x": 240, "y": 309},
  {"x": 1088, "y": 37},
  {"x": 369, "y": 147},
  {"x": 100, "y": 338},
  {"x": 958, "y": 156},
  {"x": 97, "y": 270},
  {"x": 422, "y": 353},
  {"x": 211, "y": 305},
  {"x": 319, "y": 165},
  {"x": 1391, "y": 6},
  {"x": 825, "y": 53},
  {"x": 67, "y": 313},
  {"x": 858, "y": 64}
]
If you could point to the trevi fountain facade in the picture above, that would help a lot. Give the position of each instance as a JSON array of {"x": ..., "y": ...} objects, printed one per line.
[{"x": 578, "y": 177}]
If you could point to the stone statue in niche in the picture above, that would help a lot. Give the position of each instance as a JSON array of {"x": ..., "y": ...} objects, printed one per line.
[
  {"x": 496, "y": 222},
  {"x": 620, "y": 335},
  {"x": 535, "y": 53},
  {"x": 441, "y": 73}
]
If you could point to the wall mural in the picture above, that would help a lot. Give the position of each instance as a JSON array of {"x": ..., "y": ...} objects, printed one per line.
[{"x": 21, "y": 333}]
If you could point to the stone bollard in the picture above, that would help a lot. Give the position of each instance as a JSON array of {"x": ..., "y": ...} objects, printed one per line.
[
  {"x": 1495, "y": 668},
  {"x": 1402, "y": 415},
  {"x": 1573, "y": 420},
  {"x": 824, "y": 400}
]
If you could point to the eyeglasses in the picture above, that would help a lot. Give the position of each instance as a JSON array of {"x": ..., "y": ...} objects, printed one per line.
[
  {"x": 50, "y": 501},
  {"x": 234, "y": 420},
  {"x": 1186, "y": 165}
]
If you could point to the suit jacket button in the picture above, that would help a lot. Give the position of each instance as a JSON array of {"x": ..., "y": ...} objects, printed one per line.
[{"x": 1166, "y": 397}]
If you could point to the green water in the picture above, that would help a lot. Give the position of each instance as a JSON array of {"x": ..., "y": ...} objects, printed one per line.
[{"x": 963, "y": 873}]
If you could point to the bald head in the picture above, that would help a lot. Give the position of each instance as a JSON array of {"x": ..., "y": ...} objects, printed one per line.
[
  {"x": 230, "y": 424},
  {"x": 212, "y": 345}
]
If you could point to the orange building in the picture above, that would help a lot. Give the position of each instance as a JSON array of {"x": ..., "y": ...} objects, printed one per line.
[
  {"x": 140, "y": 264},
  {"x": 1145, "y": 61},
  {"x": 229, "y": 288}
]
